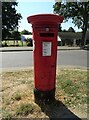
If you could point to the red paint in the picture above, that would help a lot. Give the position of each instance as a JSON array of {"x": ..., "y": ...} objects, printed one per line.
[{"x": 45, "y": 29}]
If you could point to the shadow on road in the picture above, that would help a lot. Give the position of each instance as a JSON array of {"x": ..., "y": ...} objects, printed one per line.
[{"x": 58, "y": 110}]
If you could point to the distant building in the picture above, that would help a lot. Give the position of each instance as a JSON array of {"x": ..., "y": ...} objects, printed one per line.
[{"x": 72, "y": 38}]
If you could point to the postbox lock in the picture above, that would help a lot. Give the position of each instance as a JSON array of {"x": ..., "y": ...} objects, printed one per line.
[{"x": 47, "y": 29}]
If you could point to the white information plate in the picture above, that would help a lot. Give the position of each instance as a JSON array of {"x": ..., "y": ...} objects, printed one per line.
[{"x": 46, "y": 48}]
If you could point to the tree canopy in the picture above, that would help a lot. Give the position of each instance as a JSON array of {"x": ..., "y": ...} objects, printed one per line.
[
  {"x": 26, "y": 32},
  {"x": 71, "y": 29},
  {"x": 16, "y": 35},
  {"x": 10, "y": 18},
  {"x": 78, "y": 12}
]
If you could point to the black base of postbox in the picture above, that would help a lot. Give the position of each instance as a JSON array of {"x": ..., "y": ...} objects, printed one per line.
[{"x": 46, "y": 97}]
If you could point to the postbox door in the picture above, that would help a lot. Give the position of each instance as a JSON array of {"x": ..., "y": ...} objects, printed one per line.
[
  {"x": 45, "y": 61},
  {"x": 49, "y": 54}
]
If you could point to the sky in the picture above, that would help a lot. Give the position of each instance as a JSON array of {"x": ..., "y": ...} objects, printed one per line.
[{"x": 28, "y": 8}]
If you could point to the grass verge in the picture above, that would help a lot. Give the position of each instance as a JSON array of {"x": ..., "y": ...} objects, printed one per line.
[
  {"x": 73, "y": 86},
  {"x": 18, "y": 98}
]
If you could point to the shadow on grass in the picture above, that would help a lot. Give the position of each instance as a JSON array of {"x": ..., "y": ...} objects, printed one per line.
[
  {"x": 55, "y": 111},
  {"x": 58, "y": 110}
]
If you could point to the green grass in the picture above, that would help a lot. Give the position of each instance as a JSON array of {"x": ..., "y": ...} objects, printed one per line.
[
  {"x": 67, "y": 85},
  {"x": 16, "y": 96},
  {"x": 15, "y": 43},
  {"x": 73, "y": 84},
  {"x": 12, "y": 43},
  {"x": 6, "y": 115},
  {"x": 24, "y": 109}
]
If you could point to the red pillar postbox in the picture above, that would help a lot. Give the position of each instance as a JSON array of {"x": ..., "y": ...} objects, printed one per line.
[{"x": 45, "y": 32}]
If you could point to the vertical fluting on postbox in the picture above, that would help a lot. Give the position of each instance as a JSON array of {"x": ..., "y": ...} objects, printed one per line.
[{"x": 45, "y": 32}]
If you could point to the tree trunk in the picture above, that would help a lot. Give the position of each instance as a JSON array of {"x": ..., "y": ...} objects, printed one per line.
[
  {"x": 85, "y": 26},
  {"x": 83, "y": 41}
]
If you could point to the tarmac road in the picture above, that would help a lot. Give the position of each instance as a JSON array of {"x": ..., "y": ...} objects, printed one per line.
[
  {"x": 24, "y": 59},
  {"x": 75, "y": 58}
]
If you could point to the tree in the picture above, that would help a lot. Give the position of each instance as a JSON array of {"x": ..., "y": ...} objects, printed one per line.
[
  {"x": 78, "y": 11},
  {"x": 10, "y": 18},
  {"x": 25, "y": 32},
  {"x": 59, "y": 28},
  {"x": 71, "y": 29},
  {"x": 16, "y": 35},
  {"x": 64, "y": 30}
]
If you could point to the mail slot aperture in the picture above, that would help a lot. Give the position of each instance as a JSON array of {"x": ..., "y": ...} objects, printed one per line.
[{"x": 46, "y": 34}]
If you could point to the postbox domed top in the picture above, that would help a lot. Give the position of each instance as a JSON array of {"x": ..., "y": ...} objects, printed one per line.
[{"x": 43, "y": 18}]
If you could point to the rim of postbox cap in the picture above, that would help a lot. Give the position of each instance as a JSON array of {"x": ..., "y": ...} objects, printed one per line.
[{"x": 45, "y": 18}]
